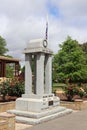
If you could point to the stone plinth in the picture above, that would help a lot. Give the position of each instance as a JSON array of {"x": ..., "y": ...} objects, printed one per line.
[{"x": 37, "y": 103}]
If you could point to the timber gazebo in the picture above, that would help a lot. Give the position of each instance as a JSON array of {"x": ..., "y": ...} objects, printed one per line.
[{"x": 7, "y": 60}]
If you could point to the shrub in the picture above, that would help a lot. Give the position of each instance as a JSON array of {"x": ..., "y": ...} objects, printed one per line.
[
  {"x": 16, "y": 88},
  {"x": 81, "y": 92},
  {"x": 4, "y": 89},
  {"x": 71, "y": 90},
  {"x": 13, "y": 87}
]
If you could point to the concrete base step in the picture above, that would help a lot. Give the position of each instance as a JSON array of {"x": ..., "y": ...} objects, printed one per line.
[
  {"x": 33, "y": 118},
  {"x": 44, "y": 113},
  {"x": 50, "y": 116},
  {"x": 34, "y": 121}
]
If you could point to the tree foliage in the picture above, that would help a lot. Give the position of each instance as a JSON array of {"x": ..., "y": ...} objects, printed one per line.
[
  {"x": 3, "y": 48},
  {"x": 70, "y": 62},
  {"x": 84, "y": 47},
  {"x": 9, "y": 70}
]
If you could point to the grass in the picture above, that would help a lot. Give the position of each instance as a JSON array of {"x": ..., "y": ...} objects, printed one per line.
[{"x": 58, "y": 86}]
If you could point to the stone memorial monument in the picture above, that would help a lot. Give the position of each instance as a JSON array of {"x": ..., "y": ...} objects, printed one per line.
[{"x": 38, "y": 104}]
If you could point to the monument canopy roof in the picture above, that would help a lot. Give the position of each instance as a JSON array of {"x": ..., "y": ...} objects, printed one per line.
[{"x": 8, "y": 59}]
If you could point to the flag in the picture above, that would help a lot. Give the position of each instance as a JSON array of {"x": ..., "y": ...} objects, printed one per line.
[{"x": 46, "y": 35}]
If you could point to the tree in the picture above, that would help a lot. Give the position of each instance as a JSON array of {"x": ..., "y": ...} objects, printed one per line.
[
  {"x": 84, "y": 47},
  {"x": 70, "y": 62},
  {"x": 9, "y": 70},
  {"x": 3, "y": 48}
]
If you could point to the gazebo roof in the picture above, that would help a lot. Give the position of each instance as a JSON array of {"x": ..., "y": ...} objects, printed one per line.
[{"x": 8, "y": 59}]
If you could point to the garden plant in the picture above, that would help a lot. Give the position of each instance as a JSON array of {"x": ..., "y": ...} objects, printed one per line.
[{"x": 13, "y": 87}]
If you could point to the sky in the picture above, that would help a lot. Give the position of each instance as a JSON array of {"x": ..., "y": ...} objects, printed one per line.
[{"x": 24, "y": 20}]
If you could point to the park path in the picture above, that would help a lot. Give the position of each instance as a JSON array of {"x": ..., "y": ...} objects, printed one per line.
[
  {"x": 74, "y": 121},
  {"x": 21, "y": 126}
]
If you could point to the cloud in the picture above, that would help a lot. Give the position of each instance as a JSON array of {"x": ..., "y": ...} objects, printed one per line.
[
  {"x": 72, "y": 11},
  {"x": 20, "y": 9},
  {"x": 3, "y": 24},
  {"x": 23, "y": 20}
]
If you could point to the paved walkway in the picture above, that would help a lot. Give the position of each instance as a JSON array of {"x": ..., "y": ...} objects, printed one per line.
[
  {"x": 21, "y": 126},
  {"x": 74, "y": 121}
]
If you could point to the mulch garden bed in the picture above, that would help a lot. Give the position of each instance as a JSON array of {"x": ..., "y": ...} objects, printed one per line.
[
  {"x": 63, "y": 97},
  {"x": 8, "y": 98}
]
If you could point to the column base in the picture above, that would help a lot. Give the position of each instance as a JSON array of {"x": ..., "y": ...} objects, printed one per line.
[
  {"x": 34, "y": 96},
  {"x": 37, "y": 110},
  {"x": 36, "y": 103}
]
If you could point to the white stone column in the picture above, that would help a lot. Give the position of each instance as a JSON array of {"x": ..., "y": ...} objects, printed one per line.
[
  {"x": 48, "y": 74},
  {"x": 28, "y": 74},
  {"x": 40, "y": 74},
  {"x": 34, "y": 75}
]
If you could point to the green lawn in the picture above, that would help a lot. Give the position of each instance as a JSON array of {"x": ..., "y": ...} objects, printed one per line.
[{"x": 58, "y": 86}]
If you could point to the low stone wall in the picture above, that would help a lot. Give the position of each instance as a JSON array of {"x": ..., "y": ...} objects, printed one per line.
[
  {"x": 7, "y": 121},
  {"x": 77, "y": 105},
  {"x": 7, "y": 106},
  {"x": 3, "y": 124}
]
